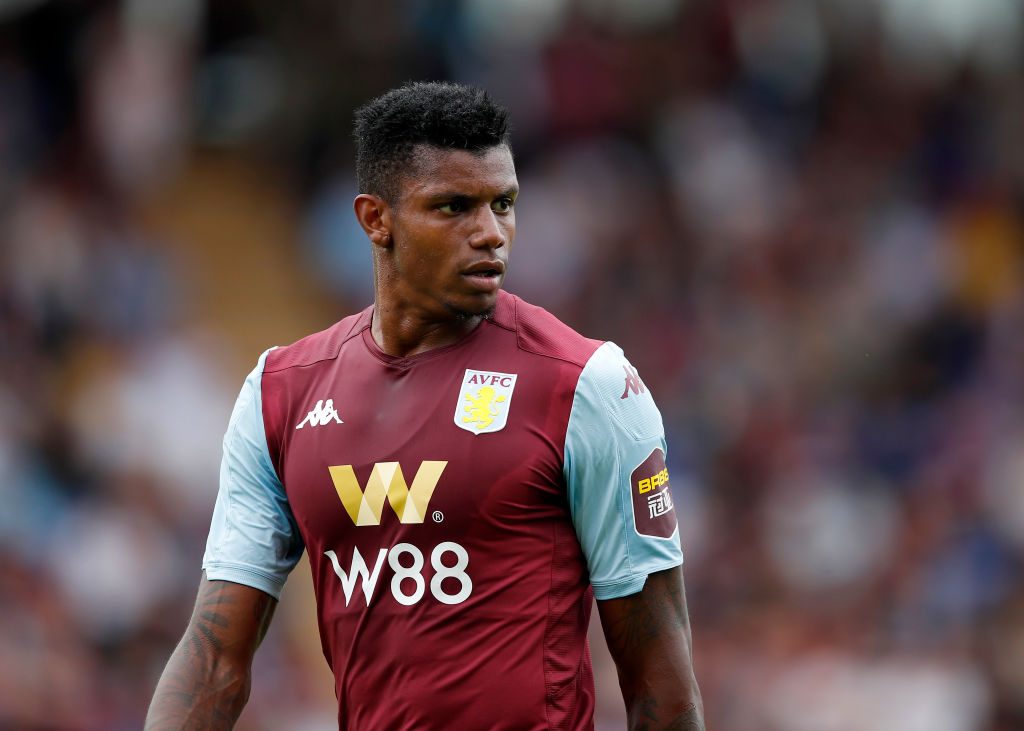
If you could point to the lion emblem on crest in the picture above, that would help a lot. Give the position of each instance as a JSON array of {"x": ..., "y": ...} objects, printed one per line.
[{"x": 481, "y": 408}]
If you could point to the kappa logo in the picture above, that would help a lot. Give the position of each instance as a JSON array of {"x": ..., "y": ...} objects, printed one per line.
[
  {"x": 484, "y": 401},
  {"x": 633, "y": 382},
  {"x": 321, "y": 415},
  {"x": 365, "y": 507}
]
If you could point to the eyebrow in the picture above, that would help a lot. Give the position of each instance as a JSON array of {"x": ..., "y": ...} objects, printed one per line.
[{"x": 511, "y": 192}]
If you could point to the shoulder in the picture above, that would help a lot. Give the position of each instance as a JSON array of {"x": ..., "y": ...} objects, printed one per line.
[
  {"x": 610, "y": 386},
  {"x": 541, "y": 333},
  {"x": 323, "y": 345}
]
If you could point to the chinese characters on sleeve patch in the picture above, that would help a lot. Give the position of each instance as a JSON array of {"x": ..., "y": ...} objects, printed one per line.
[{"x": 653, "y": 511}]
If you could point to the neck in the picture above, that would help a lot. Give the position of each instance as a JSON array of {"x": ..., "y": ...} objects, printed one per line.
[{"x": 402, "y": 330}]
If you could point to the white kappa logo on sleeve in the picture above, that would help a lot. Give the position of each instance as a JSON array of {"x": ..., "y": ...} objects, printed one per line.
[
  {"x": 484, "y": 401},
  {"x": 321, "y": 415}
]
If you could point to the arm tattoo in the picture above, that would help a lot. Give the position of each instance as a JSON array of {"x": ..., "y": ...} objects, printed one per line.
[
  {"x": 689, "y": 720},
  {"x": 206, "y": 682},
  {"x": 645, "y": 617}
]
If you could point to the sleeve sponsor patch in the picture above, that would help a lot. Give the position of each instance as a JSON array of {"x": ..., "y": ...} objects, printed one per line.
[{"x": 653, "y": 511}]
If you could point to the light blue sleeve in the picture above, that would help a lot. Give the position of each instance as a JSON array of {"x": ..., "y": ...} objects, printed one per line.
[
  {"x": 617, "y": 482},
  {"x": 253, "y": 538}
]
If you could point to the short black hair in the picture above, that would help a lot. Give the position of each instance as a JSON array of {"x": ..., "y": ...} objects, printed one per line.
[{"x": 437, "y": 114}]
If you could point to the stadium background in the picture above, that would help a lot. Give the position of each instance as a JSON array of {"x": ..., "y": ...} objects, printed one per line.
[{"x": 801, "y": 218}]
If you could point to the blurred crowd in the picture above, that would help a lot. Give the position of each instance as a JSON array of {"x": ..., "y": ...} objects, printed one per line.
[{"x": 803, "y": 220}]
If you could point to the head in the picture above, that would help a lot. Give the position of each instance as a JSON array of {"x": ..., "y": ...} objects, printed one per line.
[{"x": 437, "y": 192}]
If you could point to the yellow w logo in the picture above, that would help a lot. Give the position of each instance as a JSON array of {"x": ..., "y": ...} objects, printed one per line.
[{"x": 386, "y": 480}]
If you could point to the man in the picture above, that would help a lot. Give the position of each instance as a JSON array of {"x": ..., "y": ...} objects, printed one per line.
[{"x": 462, "y": 468}]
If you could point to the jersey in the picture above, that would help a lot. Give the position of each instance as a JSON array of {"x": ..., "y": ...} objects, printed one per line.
[{"x": 458, "y": 507}]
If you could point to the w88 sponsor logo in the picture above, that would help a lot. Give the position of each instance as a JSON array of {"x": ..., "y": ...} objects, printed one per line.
[{"x": 407, "y": 585}]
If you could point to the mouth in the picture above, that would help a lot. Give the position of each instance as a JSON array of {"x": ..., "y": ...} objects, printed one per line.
[{"x": 485, "y": 275}]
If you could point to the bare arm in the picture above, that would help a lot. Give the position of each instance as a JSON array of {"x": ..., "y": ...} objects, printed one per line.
[
  {"x": 649, "y": 638},
  {"x": 206, "y": 682}
]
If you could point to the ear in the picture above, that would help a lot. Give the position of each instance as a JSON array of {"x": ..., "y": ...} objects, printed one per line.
[{"x": 374, "y": 215}]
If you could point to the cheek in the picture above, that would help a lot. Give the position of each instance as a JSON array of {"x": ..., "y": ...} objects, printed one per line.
[
  {"x": 426, "y": 254},
  {"x": 509, "y": 225}
]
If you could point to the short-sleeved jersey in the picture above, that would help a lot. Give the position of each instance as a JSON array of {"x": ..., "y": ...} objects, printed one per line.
[{"x": 457, "y": 505}]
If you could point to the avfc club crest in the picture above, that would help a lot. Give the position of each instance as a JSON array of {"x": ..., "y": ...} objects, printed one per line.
[{"x": 484, "y": 401}]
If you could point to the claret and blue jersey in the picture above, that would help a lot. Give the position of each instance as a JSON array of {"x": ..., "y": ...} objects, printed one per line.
[{"x": 458, "y": 507}]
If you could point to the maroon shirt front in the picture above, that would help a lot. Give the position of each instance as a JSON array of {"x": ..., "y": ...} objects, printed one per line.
[{"x": 476, "y": 617}]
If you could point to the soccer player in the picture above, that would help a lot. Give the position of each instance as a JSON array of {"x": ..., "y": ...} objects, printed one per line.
[{"x": 464, "y": 470}]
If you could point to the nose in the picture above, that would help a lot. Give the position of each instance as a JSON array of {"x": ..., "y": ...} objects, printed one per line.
[{"x": 490, "y": 231}]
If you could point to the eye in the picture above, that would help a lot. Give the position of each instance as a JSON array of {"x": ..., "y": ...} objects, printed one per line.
[
  {"x": 452, "y": 207},
  {"x": 502, "y": 205}
]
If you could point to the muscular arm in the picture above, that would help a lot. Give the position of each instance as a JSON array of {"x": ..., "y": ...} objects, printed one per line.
[
  {"x": 206, "y": 682},
  {"x": 648, "y": 635}
]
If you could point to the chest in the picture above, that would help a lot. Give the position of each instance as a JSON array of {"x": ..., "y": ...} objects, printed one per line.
[{"x": 377, "y": 455}]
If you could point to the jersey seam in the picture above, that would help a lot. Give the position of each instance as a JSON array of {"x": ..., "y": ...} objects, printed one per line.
[
  {"x": 550, "y": 356},
  {"x": 646, "y": 573},
  {"x": 568, "y": 424},
  {"x": 629, "y": 430},
  {"x": 617, "y": 582},
  {"x": 230, "y": 490},
  {"x": 511, "y": 328},
  {"x": 245, "y": 569},
  {"x": 265, "y": 452},
  {"x": 547, "y": 629},
  {"x": 232, "y": 443},
  {"x": 519, "y": 343},
  {"x": 411, "y": 361},
  {"x": 258, "y": 395},
  {"x": 333, "y": 356},
  {"x": 622, "y": 511},
  {"x": 672, "y": 563}
]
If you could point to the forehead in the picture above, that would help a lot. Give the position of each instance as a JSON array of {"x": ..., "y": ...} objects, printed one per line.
[{"x": 435, "y": 171}]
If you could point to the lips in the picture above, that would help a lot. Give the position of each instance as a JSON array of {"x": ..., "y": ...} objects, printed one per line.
[
  {"x": 485, "y": 276},
  {"x": 487, "y": 268}
]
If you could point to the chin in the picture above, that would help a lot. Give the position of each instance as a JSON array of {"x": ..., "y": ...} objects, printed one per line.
[{"x": 482, "y": 307}]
